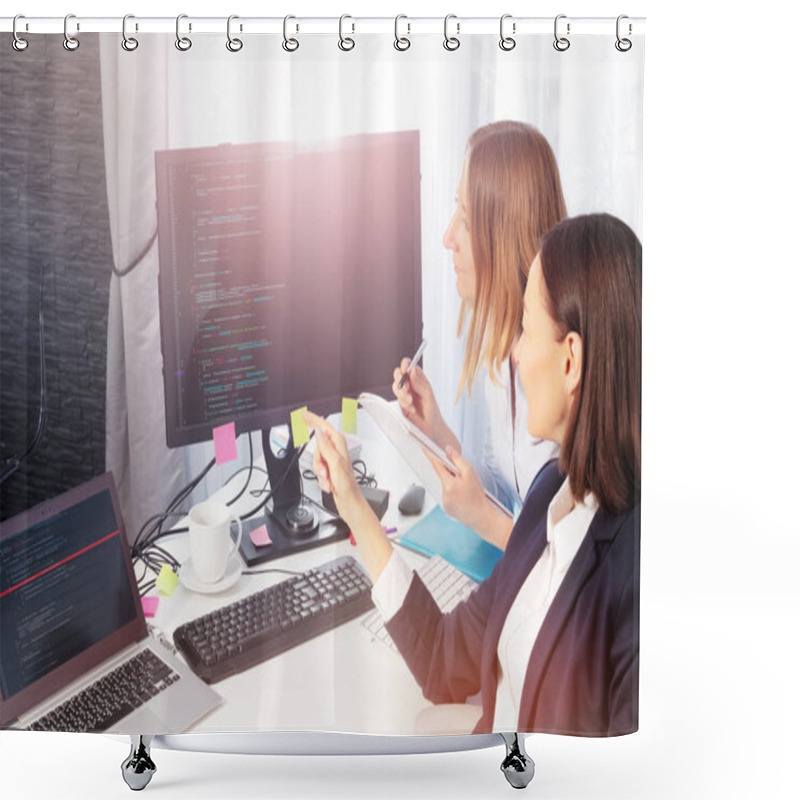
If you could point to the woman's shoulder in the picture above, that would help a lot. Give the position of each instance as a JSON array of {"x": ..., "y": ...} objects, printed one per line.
[{"x": 534, "y": 510}]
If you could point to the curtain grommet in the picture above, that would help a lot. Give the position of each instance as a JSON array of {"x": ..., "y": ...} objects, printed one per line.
[
  {"x": 233, "y": 44},
  {"x": 560, "y": 43},
  {"x": 451, "y": 43},
  {"x": 622, "y": 44},
  {"x": 183, "y": 43},
  {"x": 129, "y": 43},
  {"x": 70, "y": 43},
  {"x": 289, "y": 44},
  {"x": 507, "y": 43},
  {"x": 401, "y": 43}
]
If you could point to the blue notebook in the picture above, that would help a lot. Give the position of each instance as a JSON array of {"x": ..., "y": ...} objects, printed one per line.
[{"x": 438, "y": 534}]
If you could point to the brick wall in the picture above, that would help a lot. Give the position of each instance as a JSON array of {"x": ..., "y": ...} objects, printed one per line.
[{"x": 53, "y": 214}]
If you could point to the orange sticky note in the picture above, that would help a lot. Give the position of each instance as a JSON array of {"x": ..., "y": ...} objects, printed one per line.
[
  {"x": 349, "y": 415},
  {"x": 225, "y": 443},
  {"x": 300, "y": 434},
  {"x": 260, "y": 537},
  {"x": 150, "y": 605}
]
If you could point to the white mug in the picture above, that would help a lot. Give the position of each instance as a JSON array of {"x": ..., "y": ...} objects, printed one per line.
[{"x": 210, "y": 540}]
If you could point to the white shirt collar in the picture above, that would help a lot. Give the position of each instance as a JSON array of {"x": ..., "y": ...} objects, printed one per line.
[{"x": 568, "y": 521}]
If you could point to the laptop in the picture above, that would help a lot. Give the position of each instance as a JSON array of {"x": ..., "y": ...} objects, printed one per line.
[{"x": 72, "y": 626}]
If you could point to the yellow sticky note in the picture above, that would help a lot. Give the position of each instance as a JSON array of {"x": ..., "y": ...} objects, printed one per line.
[
  {"x": 166, "y": 581},
  {"x": 300, "y": 433},
  {"x": 349, "y": 415}
]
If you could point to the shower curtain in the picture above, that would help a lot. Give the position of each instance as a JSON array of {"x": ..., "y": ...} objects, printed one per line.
[{"x": 585, "y": 98}]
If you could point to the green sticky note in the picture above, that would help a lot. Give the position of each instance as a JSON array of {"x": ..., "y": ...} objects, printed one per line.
[
  {"x": 300, "y": 433},
  {"x": 166, "y": 581},
  {"x": 349, "y": 415}
]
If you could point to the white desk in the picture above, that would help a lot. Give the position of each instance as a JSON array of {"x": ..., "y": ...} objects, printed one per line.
[{"x": 342, "y": 680}]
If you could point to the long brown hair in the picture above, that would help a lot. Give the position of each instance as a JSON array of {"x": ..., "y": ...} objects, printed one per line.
[
  {"x": 592, "y": 268},
  {"x": 515, "y": 197}
]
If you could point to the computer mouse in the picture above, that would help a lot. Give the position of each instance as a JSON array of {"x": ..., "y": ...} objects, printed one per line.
[{"x": 412, "y": 501}]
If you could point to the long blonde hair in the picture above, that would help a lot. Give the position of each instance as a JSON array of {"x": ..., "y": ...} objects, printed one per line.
[{"x": 515, "y": 197}]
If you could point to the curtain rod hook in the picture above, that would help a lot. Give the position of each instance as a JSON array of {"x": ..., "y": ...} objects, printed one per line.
[
  {"x": 129, "y": 43},
  {"x": 507, "y": 42},
  {"x": 234, "y": 45},
  {"x": 183, "y": 43},
  {"x": 18, "y": 43},
  {"x": 451, "y": 42},
  {"x": 289, "y": 44},
  {"x": 401, "y": 42},
  {"x": 561, "y": 43}
]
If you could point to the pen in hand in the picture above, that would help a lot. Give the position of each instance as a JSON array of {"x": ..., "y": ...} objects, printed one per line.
[{"x": 413, "y": 364}]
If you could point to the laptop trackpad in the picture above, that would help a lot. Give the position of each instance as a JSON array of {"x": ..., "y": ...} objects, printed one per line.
[{"x": 143, "y": 720}]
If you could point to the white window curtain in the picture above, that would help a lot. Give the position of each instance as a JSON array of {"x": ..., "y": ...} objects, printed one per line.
[{"x": 157, "y": 98}]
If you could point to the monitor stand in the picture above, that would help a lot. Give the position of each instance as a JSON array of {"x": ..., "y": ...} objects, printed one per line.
[{"x": 292, "y": 526}]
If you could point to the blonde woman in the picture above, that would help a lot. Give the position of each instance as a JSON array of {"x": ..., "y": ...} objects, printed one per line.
[{"x": 509, "y": 196}]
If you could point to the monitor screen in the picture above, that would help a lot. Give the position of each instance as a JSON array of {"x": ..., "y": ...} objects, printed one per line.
[{"x": 289, "y": 276}]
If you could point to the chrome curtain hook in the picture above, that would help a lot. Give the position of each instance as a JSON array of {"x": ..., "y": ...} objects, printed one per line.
[
  {"x": 289, "y": 44},
  {"x": 234, "y": 45},
  {"x": 18, "y": 43},
  {"x": 451, "y": 42},
  {"x": 623, "y": 45},
  {"x": 129, "y": 43},
  {"x": 183, "y": 43},
  {"x": 346, "y": 42},
  {"x": 561, "y": 43},
  {"x": 70, "y": 42},
  {"x": 506, "y": 42},
  {"x": 401, "y": 42}
]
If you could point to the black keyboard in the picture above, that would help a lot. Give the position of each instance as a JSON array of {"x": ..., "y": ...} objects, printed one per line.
[
  {"x": 100, "y": 706},
  {"x": 262, "y": 625}
]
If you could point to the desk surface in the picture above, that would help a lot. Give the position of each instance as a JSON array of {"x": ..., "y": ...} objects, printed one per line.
[{"x": 342, "y": 680}]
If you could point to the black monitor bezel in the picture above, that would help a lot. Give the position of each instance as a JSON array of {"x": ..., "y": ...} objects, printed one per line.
[{"x": 180, "y": 435}]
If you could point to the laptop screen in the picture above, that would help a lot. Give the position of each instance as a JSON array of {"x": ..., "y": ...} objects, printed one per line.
[{"x": 68, "y": 598}]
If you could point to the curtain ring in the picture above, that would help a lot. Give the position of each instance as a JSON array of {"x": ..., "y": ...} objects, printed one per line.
[
  {"x": 234, "y": 45},
  {"x": 346, "y": 43},
  {"x": 70, "y": 42},
  {"x": 451, "y": 42},
  {"x": 183, "y": 43},
  {"x": 18, "y": 43},
  {"x": 561, "y": 43},
  {"x": 506, "y": 42},
  {"x": 289, "y": 45},
  {"x": 129, "y": 43},
  {"x": 623, "y": 45},
  {"x": 401, "y": 42}
]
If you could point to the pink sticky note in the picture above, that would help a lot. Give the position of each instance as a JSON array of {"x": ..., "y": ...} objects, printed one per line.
[
  {"x": 225, "y": 443},
  {"x": 149, "y": 604},
  {"x": 260, "y": 537}
]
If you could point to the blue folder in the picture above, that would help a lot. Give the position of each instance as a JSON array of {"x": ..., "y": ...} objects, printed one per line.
[{"x": 438, "y": 534}]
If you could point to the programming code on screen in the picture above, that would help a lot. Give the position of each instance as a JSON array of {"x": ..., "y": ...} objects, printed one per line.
[
  {"x": 63, "y": 587},
  {"x": 286, "y": 274}
]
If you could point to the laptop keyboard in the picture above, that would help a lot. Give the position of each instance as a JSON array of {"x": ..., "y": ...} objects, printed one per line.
[
  {"x": 100, "y": 706},
  {"x": 448, "y": 585}
]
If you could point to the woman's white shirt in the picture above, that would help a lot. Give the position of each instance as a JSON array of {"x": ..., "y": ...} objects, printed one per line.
[{"x": 567, "y": 525}]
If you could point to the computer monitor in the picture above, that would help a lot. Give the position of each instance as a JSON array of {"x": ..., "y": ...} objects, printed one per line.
[{"x": 290, "y": 275}]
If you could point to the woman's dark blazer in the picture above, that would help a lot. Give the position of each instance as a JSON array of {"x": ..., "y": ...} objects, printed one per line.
[{"x": 583, "y": 673}]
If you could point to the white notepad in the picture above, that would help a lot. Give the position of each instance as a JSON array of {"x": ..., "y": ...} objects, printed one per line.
[{"x": 413, "y": 444}]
